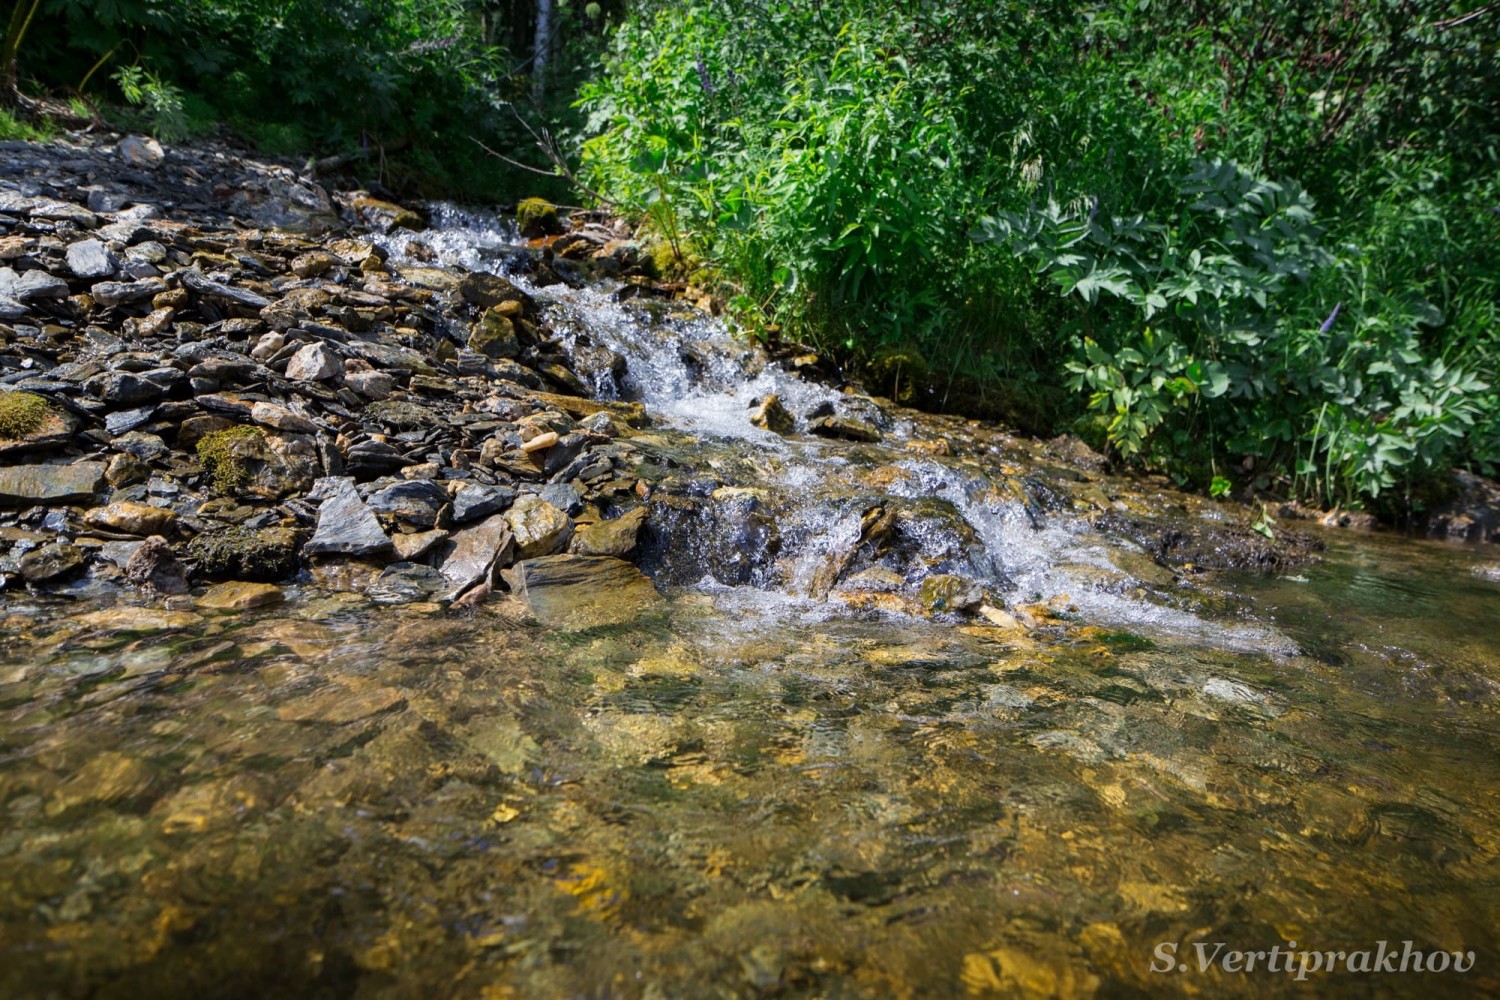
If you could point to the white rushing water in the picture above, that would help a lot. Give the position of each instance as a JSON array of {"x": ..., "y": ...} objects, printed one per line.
[{"x": 693, "y": 376}]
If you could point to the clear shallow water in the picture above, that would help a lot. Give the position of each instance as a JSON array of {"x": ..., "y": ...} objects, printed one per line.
[
  {"x": 756, "y": 790},
  {"x": 747, "y": 793}
]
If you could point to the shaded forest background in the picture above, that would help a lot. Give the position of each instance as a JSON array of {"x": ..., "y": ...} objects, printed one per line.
[{"x": 1249, "y": 245}]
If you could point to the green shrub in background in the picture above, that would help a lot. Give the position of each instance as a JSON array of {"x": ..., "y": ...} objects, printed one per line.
[{"x": 1114, "y": 163}]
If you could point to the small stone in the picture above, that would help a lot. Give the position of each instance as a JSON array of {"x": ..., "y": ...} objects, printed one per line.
[
  {"x": 141, "y": 151},
  {"x": 411, "y": 547},
  {"x": 262, "y": 554},
  {"x": 266, "y": 347},
  {"x": 540, "y": 443},
  {"x": 91, "y": 260},
  {"x": 126, "y": 469},
  {"x": 131, "y": 518},
  {"x": 847, "y": 428},
  {"x": 313, "y": 363},
  {"x": 478, "y": 500},
  {"x": 347, "y": 526},
  {"x": 370, "y": 385},
  {"x": 31, "y": 286},
  {"x": 610, "y": 538},
  {"x": 540, "y": 529},
  {"x": 416, "y": 502},
  {"x": 769, "y": 414},
  {"x": 121, "y": 293},
  {"x": 123, "y": 388},
  {"x": 313, "y": 264},
  {"x": 155, "y": 567},
  {"x": 384, "y": 216},
  {"x": 494, "y": 336},
  {"x": 281, "y": 418},
  {"x": 238, "y": 595},
  {"x": 490, "y": 290},
  {"x": 137, "y": 620},
  {"x": 52, "y": 563},
  {"x": 945, "y": 592}
]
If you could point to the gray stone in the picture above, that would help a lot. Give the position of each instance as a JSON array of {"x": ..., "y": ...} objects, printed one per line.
[
  {"x": 122, "y": 293},
  {"x": 91, "y": 259},
  {"x": 140, "y": 151},
  {"x": 469, "y": 554},
  {"x": 124, "y": 388},
  {"x": 347, "y": 526},
  {"x": 31, "y": 285},
  {"x": 282, "y": 418},
  {"x": 416, "y": 502},
  {"x": 52, "y": 562},
  {"x": 28, "y": 484},
  {"x": 122, "y": 421},
  {"x": 313, "y": 363},
  {"x": 195, "y": 281},
  {"x": 478, "y": 500}
]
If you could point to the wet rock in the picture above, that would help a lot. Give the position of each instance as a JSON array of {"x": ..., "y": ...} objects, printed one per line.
[
  {"x": 62, "y": 484},
  {"x": 384, "y": 216},
  {"x": 52, "y": 563},
  {"x": 154, "y": 567},
  {"x": 478, "y": 500},
  {"x": 413, "y": 546},
  {"x": 943, "y": 592},
  {"x": 339, "y": 704},
  {"x": 1213, "y": 545},
  {"x": 91, "y": 260},
  {"x": 259, "y": 554},
  {"x": 239, "y": 595},
  {"x": 494, "y": 336},
  {"x": 137, "y": 620},
  {"x": 539, "y": 528},
  {"x": 109, "y": 778},
  {"x": 846, "y": 428},
  {"x": 468, "y": 556},
  {"x": 313, "y": 264},
  {"x": 212, "y": 805},
  {"x": 125, "y": 469},
  {"x": 417, "y": 502},
  {"x": 769, "y": 414},
  {"x": 490, "y": 290},
  {"x": 582, "y": 591},
  {"x": 131, "y": 518},
  {"x": 314, "y": 363},
  {"x": 610, "y": 538},
  {"x": 347, "y": 526}
]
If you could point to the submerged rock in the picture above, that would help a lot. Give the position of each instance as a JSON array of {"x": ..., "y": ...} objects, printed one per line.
[{"x": 582, "y": 591}]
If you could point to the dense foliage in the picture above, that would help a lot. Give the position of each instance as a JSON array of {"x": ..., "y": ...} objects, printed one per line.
[
  {"x": 406, "y": 84},
  {"x": 1253, "y": 241}
]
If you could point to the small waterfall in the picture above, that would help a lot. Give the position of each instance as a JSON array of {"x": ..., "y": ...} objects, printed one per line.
[{"x": 782, "y": 525}]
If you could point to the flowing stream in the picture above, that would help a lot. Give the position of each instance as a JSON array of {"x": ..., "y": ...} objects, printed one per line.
[{"x": 782, "y": 782}]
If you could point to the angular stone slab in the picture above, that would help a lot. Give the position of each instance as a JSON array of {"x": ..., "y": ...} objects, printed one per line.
[
  {"x": 583, "y": 591},
  {"x": 28, "y": 484}
]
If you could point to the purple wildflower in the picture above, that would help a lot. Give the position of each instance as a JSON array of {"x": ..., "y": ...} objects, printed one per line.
[
  {"x": 1328, "y": 323},
  {"x": 703, "y": 78}
]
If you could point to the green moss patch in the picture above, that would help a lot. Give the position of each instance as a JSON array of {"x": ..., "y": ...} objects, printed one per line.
[
  {"x": 221, "y": 456},
  {"x": 21, "y": 413}
]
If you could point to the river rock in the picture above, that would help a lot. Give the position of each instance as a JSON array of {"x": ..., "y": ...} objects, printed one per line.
[
  {"x": 769, "y": 414},
  {"x": 240, "y": 595},
  {"x": 494, "y": 336},
  {"x": 281, "y": 418},
  {"x": 31, "y": 286},
  {"x": 137, "y": 620},
  {"x": 540, "y": 529},
  {"x": 124, "y": 389},
  {"x": 944, "y": 592},
  {"x": 108, "y": 778},
  {"x": 467, "y": 557},
  {"x": 847, "y": 428},
  {"x": 91, "y": 260},
  {"x": 52, "y": 563},
  {"x": 417, "y": 502},
  {"x": 580, "y": 592},
  {"x": 339, "y": 704},
  {"x": 313, "y": 363},
  {"x": 141, "y": 151},
  {"x": 370, "y": 385},
  {"x": 124, "y": 293},
  {"x": 610, "y": 538},
  {"x": 478, "y": 500},
  {"x": 260, "y": 554},
  {"x": 413, "y": 546},
  {"x": 490, "y": 290},
  {"x": 131, "y": 518},
  {"x": 62, "y": 484},
  {"x": 153, "y": 566},
  {"x": 347, "y": 526}
]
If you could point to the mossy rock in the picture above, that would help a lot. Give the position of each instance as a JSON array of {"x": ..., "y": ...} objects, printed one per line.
[
  {"x": 29, "y": 421},
  {"x": 899, "y": 371},
  {"x": 225, "y": 455},
  {"x": 263, "y": 555},
  {"x": 494, "y": 335},
  {"x": 538, "y": 217}
]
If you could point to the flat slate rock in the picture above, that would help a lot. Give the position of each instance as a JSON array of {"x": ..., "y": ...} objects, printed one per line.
[
  {"x": 27, "y": 484},
  {"x": 580, "y": 592},
  {"x": 347, "y": 527}
]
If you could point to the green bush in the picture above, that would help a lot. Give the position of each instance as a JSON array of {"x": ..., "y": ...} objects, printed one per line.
[{"x": 1114, "y": 164}]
